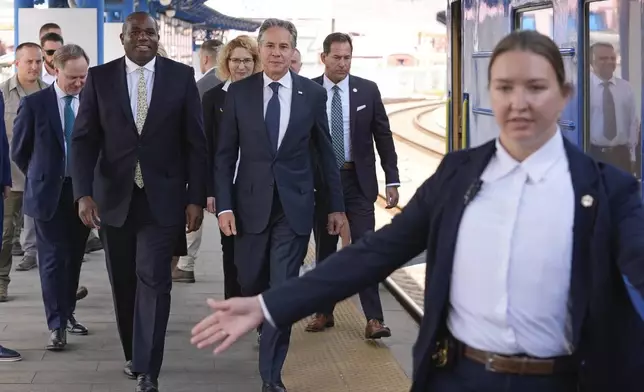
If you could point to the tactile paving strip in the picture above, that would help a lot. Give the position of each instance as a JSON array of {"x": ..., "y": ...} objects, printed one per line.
[{"x": 340, "y": 359}]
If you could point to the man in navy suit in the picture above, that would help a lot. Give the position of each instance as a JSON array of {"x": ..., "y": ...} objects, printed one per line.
[
  {"x": 276, "y": 117},
  {"x": 6, "y": 354},
  {"x": 357, "y": 118},
  {"x": 139, "y": 168},
  {"x": 41, "y": 147}
]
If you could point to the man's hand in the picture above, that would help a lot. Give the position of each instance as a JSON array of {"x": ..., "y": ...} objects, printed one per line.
[
  {"x": 345, "y": 235},
  {"x": 194, "y": 217},
  {"x": 6, "y": 191},
  {"x": 210, "y": 205},
  {"x": 230, "y": 320},
  {"x": 392, "y": 196},
  {"x": 335, "y": 222},
  {"x": 227, "y": 223},
  {"x": 88, "y": 212}
]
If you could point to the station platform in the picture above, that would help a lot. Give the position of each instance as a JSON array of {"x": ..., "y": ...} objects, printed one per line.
[{"x": 337, "y": 360}]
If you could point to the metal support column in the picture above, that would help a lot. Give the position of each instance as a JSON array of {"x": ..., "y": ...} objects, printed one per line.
[
  {"x": 143, "y": 5},
  {"x": 128, "y": 8},
  {"x": 99, "y": 5},
  {"x": 17, "y": 4}
]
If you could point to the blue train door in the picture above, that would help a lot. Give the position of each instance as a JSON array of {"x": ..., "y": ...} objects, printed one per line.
[{"x": 612, "y": 75}]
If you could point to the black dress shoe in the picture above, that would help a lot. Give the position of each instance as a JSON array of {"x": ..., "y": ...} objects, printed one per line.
[
  {"x": 57, "y": 339},
  {"x": 273, "y": 387},
  {"x": 145, "y": 383},
  {"x": 127, "y": 369},
  {"x": 76, "y": 328}
]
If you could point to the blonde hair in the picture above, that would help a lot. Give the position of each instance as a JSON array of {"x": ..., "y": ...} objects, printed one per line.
[
  {"x": 244, "y": 42},
  {"x": 161, "y": 51}
]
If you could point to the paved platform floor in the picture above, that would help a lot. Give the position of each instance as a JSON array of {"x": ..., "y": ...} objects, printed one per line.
[{"x": 335, "y": 361}]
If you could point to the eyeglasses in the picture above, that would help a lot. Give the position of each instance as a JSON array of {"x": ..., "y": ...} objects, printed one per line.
[{"x": 241, "y": 61}]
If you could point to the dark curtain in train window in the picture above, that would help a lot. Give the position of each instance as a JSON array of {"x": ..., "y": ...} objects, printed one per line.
[{"x": 615, "y": 84}]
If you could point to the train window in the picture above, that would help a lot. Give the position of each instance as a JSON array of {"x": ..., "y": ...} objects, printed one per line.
[
  {"x": 613, "y": 99},
  {"x": 540, "y": 20}
]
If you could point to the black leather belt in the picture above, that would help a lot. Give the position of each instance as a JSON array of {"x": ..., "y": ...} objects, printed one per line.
[{"x": 348, "y": 166}]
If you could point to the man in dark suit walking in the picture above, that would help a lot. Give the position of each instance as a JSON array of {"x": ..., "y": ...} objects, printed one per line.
[
  {"x": 357, "y": 117},
  {"x": 140, "y": 126},
  {"x": 276, "y": 117},
  {"x": 41, "y": 147}
]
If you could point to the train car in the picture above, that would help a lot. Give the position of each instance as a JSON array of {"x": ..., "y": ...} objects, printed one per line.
[{"x": 599, "y": 41}]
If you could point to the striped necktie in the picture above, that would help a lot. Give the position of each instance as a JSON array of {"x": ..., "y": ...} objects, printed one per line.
[{"x": 337, "y": 127}]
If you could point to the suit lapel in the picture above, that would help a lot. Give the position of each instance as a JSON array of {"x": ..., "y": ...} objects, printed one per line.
[
  {"x": 585, "y": 180},
  {"x": 353, "y": 105},
  {"x": 297, "y": 107},
  {"x": 54, "y": 116},
  {"x": 255, "y": 99},
  {"x": 123, "y": 94}
]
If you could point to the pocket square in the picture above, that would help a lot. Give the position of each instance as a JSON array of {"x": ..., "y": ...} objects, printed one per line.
[{"x": 361, "y": 107}]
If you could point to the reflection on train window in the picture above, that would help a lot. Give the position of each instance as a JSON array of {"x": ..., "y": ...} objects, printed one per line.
[
  {"x": 614, "y": 80},
  {"x": 539, "y": 20}
]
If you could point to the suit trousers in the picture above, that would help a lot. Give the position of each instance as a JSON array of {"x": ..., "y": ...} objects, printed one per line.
[
  {"x": 61, "y": 246},
  {"x": 361, "y": 215},
  {"x": 265, "y": 260},
  {"x": 139, "y": 258},
  {"x": 231, "y": 283}
]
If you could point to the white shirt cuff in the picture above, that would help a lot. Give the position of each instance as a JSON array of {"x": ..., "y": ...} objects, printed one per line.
[
  {"x": 267, "y": 315},
  {"x": 224, "y": 211},
  {"x": 394, "y": 184}
]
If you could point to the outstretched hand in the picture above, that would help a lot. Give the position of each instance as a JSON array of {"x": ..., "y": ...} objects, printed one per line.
[{"x": 230, "y": 320}]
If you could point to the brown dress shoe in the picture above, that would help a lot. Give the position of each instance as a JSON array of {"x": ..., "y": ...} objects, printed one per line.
[
  {"x": 319, "y": 322},
  {"x": 376, "y": 330},
  {"x": 81, "y": 293},
  {"x": 181, "y": 276}
]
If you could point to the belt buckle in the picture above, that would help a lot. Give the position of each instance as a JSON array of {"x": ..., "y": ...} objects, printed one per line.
[{"x": 489, "y": 362}]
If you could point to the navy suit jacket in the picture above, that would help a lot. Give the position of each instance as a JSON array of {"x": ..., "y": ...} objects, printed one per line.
[
  {"x": 171, "y": 149},
  {"x": 5, "y": 163},
  {"x": 261, "y": 169},
  {"x": 608, "y": 334},
  {"x": 38, "y": 149},
  {"x": 368, "y": 125}
]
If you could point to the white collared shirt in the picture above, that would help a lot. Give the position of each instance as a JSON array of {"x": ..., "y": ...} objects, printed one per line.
[
  {"x": 284, "y": 93},
  {"x": 510, "y": 281},
  {"x": 627, "y": 132},
  {"x": 47, "y": 77},
  {"x": 343, "y": 85},
  {"x": 60, "y": 95},
  {"x": 133, "y": 81}
]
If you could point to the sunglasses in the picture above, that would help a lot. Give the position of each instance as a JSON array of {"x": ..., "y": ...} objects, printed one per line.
[{"x": 50, "y": 52}]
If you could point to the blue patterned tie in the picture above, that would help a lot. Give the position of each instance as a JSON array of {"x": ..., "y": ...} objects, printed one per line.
[
  {"x": 69, "y": 126},
  {"x": 272, "y": 119},
  {"x": 337, "y": 127}
]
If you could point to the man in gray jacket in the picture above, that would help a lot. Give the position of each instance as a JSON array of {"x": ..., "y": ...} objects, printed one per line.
[{"x": 208, "y": 64}]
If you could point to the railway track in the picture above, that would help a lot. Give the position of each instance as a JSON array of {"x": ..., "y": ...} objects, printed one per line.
[{"x": 398, "y": 284}]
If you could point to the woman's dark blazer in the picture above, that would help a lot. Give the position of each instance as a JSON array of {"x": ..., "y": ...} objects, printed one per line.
[{"x": 213, "y": 109}]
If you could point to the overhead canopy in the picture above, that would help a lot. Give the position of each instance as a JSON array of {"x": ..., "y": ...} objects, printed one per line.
[{"x": 199, "y": 14}]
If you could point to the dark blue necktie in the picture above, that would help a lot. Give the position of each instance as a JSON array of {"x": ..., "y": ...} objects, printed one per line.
[
  {"x": 69, "y": 126},
  {"x": 272, "y": 119}
]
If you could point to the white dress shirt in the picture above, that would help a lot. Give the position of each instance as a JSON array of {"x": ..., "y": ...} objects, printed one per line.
[
  {"x": 625, "y": 113},
  {"x": 343, "y": 86},
  {"x": 284, "y": 93},
  {"x": 60, "y": 94},
  {"x": 47, "y": 77},
  {"x": 133, "y": 81},
  {"x": 510, "y": 281}
]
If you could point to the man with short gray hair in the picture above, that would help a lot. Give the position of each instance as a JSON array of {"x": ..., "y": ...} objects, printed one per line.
[
  {"x": 273, "y": 200},
  {"x": 208, "y": 64},
  {"x": 41, "y": 149}
]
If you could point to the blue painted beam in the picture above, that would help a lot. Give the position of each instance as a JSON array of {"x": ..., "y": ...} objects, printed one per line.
[
  {"x": 17, "y": 4},
  {"x": 99, "y": 5}
]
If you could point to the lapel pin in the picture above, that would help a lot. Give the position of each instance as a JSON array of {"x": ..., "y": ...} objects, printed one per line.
[
  {"x": 221, "y": 110},
  {"x": 587, "y": 201},
  {"x": 355, "y": 90},
  {"x": 299, "y": 92}
]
